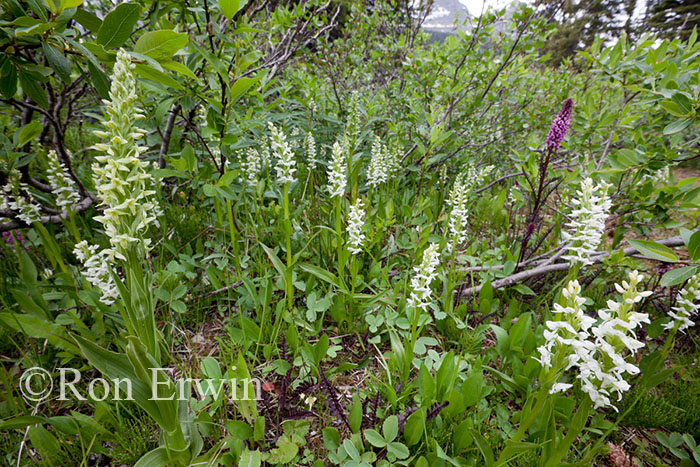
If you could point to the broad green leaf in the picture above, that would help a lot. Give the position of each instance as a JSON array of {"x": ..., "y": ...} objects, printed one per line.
[
  {"x": 678, "y": 276},
  {"x": 29, "y": 132},
  {"x": 239, "y": 429},
  {"x": 66, "y": 4},
  {"x": 413, "y": 429},
  {"x": 118, "y": 25},
  {"x": 250, "y": 458},
  {"x": 161, "y": 44},
  {"x": 57, "y": 60},
  {"x": 374, "y": 438},
  {"x": 694, "y": 246},
  {"x": 241, "y": 86},
  {"x": 230, "y": 7},
  {"x": 390, "y": 428},
  {"x": 399, "y": 450},
  {"x": 99, "y": 80},
  {"x": 178, "y": 68},
  {"x": 677, "y": 126},
  {"x": 87, "y": 20},
  {"x": 148, "y": 72},
  {"x": 31, "y": 86},
  {"x": 654, "y": 250}
]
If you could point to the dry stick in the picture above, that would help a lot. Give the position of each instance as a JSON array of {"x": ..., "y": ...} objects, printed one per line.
[
  {"x": 16, "y": 224},
  {"x": 174, "y": 111},
  {"x": 548, "y": 268}
]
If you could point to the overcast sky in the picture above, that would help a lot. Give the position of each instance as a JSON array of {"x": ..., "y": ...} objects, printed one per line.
[{"x": 474, "y": 6}]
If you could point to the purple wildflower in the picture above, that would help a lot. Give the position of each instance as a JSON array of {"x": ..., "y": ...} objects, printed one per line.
[
  {"x": 14, "y": 235},
  {"x": 560, "y": 126}
]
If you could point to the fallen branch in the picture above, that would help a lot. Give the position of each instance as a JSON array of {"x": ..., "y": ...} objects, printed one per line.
[
  {"x": 549, "y": 268},
  {"x": 17, "y": 223}
]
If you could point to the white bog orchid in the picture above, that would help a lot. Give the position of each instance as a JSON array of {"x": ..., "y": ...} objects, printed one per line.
[{"x": 587, "y": 223}]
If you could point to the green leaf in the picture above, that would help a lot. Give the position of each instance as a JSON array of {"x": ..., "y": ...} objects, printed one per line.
[
  {"x": 118, "y": 24},
  {"x": 331, "y": 438},
  {"x": 99, "y": 80},
  {"x": 87, "y": 20},
  {"x": 390, "y": 428},
  {"x": 58, "y": 61},
  {"x": 276, "y": 262},
  {"x": 148, "y": 72},
  {"x": 413, "y": 429},
  {"x": 523, "y": 289},
  {"x": 374, "y": 438},
  {"x": 230, "y": 7},
  {"x": 19, "y": 423},
  {"x": 31, "y": 86},
  {"x": 178, "y": 68},
  {"x": 694, "y": 246},
  {"x": 351, "y": 450},
  {"x": 483, "y": 446},
  {"x": 241, "y": 86},
  {"x": 678, "y": 276},
  {"x": 250, "y": 459},
  {"x": 161, "y": 44},
  {"x": 66, "y": 4},
  {"x": 29, "y": 132},
  {"x": 654, "y": 250},
  {"x": 8, "y": 82},
  {"x": 399, "y": 450},
  {"x": 677, "y": 126}
]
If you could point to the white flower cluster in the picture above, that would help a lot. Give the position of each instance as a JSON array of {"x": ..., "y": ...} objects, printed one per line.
[
  {"x": 336, "y": 172},
  {"x": 286, "y": 165},
  {"x": 381, "y": 165},
  {"x": 473, "y": 176},
  {"x": 252, "y": 164},
  {"x": 311, "y": 154},
  {"x": 686, "y": 306},
  {"x": 355, "y": 223},
  {"x": 458, "y": 201},
  {"x": 424, "y": 275},
  {"x": 353, "y": 123},
  {"x": 660, "y": 177},
  {"x": 96, "y": 264},
  {"x": 121, "y": 179},
  {"x": 19, "y": 200},
  {"x": 587, "y": 223},
  {"x": 598, "y": 352},
  {"x": 62, "y": 185}
]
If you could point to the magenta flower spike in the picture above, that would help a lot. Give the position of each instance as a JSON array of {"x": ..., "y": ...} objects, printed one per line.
[{"x": 560, "y": 126}]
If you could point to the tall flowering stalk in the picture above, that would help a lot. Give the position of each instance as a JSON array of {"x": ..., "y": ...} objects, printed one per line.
[
  {"x": 285, "y": 175},
  {"x": 599, "y": 351},
  {"x": 337, "y": 178},
  {"x": 459, "y": 204},
  {"x": 337, "y": 181},
  {"x": 355, "y": 224},
  {"x": 423, "y": 275},
  {"x": 61, "y": 184},
  {"x": 686, "y": 306},
  {"x": 557, "y": 132},
  {"x": 587, "y": 223},
  {"x": 311, "y": 153},
  {"x": 378, "y": 170},
  {"x": 96, "y": 270},
  {"x": 19, "y": 200},
  {"x": 560, "y": 125},
  {"x": 130, "y": 207},
  {"x": 121, "y": 178}
]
